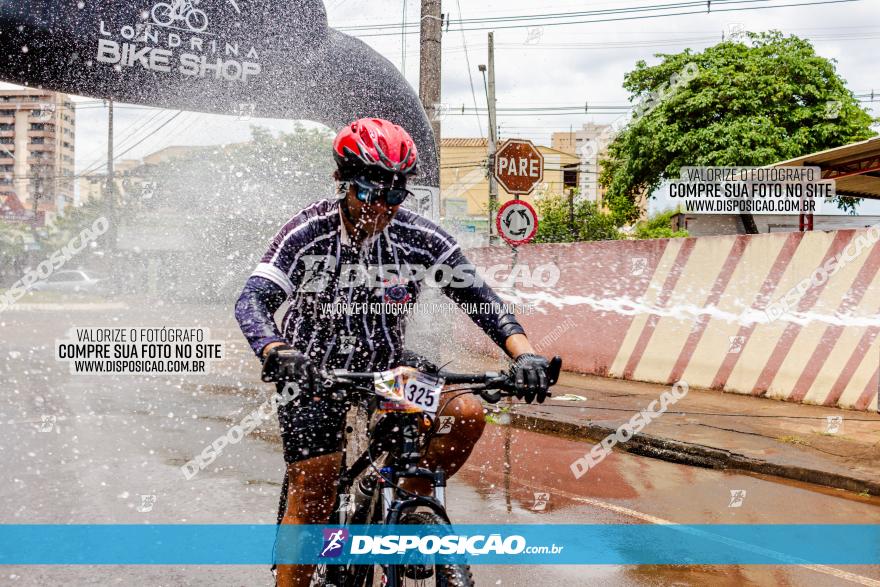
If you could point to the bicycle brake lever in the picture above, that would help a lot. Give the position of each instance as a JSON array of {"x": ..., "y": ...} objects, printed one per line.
[
  {"x": 553, "y": 371},
  {"x": 492, "y": 396},
  {"x": 327, "y": 378}
]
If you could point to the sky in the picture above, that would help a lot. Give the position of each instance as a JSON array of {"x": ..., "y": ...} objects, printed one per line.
[{"x": 569, "y": 65}]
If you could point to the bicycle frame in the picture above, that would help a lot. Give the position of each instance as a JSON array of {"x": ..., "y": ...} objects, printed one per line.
[
  {"x": 182, "y": 7},
  {"x": 398, "y": 435},
  {"x": 388, "y": 506}
]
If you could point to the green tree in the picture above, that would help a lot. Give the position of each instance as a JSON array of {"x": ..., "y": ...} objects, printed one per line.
[
  {"x": 556, "y": 226},
  {"x": 660, "y": 226},
  {"x": 73, "y": 222},
  {"x": 749, "y": 104},
  {"x": 12, "y": 250}
]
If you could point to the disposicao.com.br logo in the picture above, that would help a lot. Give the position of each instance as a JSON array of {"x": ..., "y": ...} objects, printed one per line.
[
  {"x": 433, "y": 544},
  {"x": 334, "y": 542}
]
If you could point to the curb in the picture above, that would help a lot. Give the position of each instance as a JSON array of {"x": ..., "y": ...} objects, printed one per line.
[
  {"x": 673, "y": 451},
  {"x": 697, "y": 455}
]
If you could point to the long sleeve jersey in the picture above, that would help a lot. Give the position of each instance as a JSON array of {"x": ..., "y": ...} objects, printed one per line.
[{"x": 349, "y": 304}]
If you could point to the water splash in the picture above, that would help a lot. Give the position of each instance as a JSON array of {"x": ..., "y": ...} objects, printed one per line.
[{"x": 546, "y": 301}]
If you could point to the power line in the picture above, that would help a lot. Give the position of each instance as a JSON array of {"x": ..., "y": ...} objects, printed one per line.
[
  {"x": 632, "y": 10},
  {"x": 541, "y": 111},
  {"x": 612, "y": 45},
  {"x": 578, "y": 109},
  {"x": 547, "y": 16},
  {"x": 129, "y": 134},
  {"x": 163, "y": 125},
  {"x": 95, "y": 165},
  {"x": 467, "y": 60},
  {"x": 403, "y": 42}
]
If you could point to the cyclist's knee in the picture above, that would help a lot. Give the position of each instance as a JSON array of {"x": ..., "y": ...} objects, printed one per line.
[{"x": 468, "y": 413}]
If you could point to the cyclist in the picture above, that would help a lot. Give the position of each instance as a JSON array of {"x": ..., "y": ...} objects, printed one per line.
[{"x": 364, "y": 226}]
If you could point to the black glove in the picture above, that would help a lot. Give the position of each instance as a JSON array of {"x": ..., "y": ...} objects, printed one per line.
[
  {"x": 412, "y": 359},
  {"x": 529, "y": 375},
  {"x": 283, "y": 363}
]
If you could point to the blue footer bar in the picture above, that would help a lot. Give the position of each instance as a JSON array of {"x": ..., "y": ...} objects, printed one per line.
[{"x": 639, "y": 544}]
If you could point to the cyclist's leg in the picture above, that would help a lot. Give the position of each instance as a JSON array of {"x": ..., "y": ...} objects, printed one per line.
[
  {"x": 311, "y": 432},
  {"x": 311, "y": 492},
  {"x": 450, "y": 451}
]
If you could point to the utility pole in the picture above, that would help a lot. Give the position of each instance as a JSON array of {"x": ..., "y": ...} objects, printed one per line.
[
  {"x": 493, "y": 138},
  {"x": 38, "y": 191},
  {"x": 429, "y": 63},
  {"x": 110, "y": 188}
]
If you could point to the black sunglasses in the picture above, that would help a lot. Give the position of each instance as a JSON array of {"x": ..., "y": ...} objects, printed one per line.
[{"x": 373, "y": 188}]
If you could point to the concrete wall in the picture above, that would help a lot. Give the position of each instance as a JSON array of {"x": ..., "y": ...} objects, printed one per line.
[
  {"x": 721, "y": 224},
  {"x": 693, "y": 309}
]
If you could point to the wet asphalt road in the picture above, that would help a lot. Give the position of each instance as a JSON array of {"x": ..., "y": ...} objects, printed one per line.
[{"x": 115, "y": 439}]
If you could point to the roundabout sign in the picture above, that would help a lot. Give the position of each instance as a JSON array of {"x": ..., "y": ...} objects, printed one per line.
[{"x": 517, "y": 222}]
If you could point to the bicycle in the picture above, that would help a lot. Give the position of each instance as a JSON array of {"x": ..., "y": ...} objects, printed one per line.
[
  {"x": 397, "y": 409},
  {"x": 166, "y": 14}
]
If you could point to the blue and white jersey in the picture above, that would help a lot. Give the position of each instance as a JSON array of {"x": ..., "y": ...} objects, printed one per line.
[{"x": 348, "y": 303}]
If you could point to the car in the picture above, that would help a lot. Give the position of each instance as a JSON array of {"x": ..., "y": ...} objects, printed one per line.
[{"x": 71, "y": 281}]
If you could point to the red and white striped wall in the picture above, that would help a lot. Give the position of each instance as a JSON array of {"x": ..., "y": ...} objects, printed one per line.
[{"x": 693, "y": 309}]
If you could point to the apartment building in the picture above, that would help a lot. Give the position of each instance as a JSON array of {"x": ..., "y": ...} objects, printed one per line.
[
  {"x": 588, "y": 144},
  {"x": 37, "y": 155}
]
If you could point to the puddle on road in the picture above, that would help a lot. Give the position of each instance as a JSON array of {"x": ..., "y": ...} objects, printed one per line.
[
  {"x": 538, "y": 487},
  {"x": 516, "y": 464},
  {"x": 510, "y": 468}
]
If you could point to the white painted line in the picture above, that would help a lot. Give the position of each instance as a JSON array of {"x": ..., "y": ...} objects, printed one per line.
[{"x": 824, "y": 569}]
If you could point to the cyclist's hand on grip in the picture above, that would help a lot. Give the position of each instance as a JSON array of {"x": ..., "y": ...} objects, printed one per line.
[
  {"x": 416, "y": 361},
  {"x": 529, "y": 377},
  {"x": 283, "y": 363}
]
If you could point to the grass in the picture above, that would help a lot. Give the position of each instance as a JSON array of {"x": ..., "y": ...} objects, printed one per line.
[
  {"x": 797, "y": 440},
  {"x": 493, "y": 417}
]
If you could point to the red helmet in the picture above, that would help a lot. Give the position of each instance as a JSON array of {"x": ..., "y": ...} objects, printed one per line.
[{"x": 375, "y": 143}]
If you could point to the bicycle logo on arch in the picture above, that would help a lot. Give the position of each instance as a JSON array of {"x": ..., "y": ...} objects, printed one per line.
[{"x": 166, "y": 14}]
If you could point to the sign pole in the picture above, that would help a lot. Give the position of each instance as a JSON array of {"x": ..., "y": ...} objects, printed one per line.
[
  {"x": 493, "y": 142},
  {"x": 110, "y": 187},
  {"x": 519, "y": 168},
  {"x": 517, "y": 223}
]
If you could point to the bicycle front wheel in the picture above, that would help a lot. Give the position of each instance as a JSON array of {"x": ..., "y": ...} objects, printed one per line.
[
  {"x": 436, "y": 575},
  {"x": 163, "y": 14},
  {"x": 197, "y": 20}
]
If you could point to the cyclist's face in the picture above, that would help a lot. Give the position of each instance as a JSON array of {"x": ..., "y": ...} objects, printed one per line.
[{"x": 371, "y": 218}]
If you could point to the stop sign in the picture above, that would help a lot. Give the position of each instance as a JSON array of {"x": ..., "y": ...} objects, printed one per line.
[{"x": 519, "y": 166}]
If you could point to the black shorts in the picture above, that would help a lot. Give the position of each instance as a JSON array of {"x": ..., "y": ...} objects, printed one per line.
[{"x": 311, "y": 428}]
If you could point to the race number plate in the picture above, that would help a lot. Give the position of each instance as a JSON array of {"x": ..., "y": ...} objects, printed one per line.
[
  {"x": 408, "y": 390},
  {"x": 423, "y": 390}
]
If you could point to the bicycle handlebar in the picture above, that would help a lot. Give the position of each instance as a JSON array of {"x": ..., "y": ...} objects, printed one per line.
[{"x": 490, "y": 380}]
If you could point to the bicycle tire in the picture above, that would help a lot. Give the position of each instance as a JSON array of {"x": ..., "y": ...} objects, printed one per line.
[
  {"x": 197, "y": 20},
  {"x": 444, "y": 575},
  {"x": 163, "y": 14}
]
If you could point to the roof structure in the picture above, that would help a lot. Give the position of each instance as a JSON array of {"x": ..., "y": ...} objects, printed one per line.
[{"x": 854, "y": 167}]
